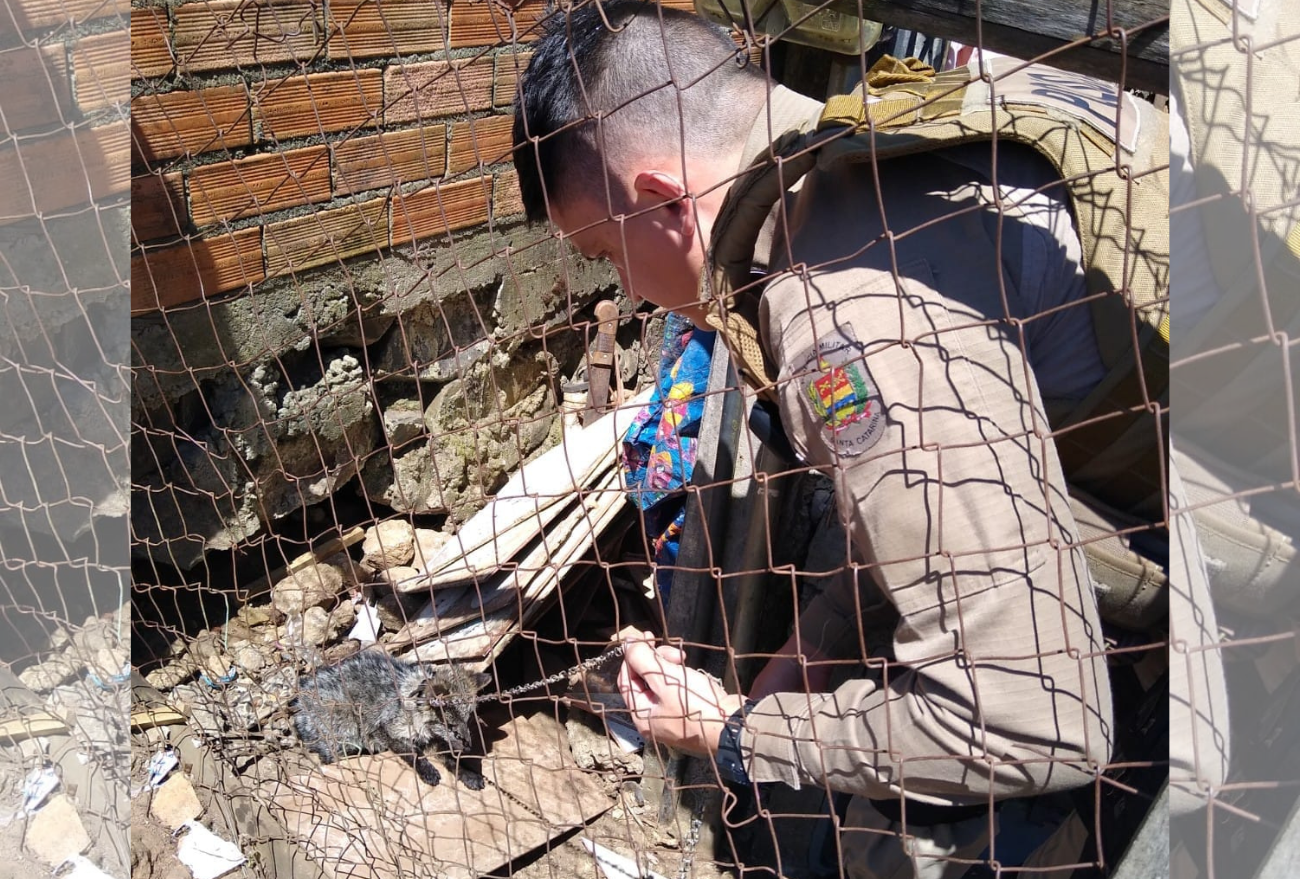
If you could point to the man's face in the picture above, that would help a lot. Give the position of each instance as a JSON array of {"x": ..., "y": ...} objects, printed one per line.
[{"x": 655, "y": 252}]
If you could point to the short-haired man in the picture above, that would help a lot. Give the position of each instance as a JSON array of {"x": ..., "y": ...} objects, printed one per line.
[{"x": 919, "y": 285}]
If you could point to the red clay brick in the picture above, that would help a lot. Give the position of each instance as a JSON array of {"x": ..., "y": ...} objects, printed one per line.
[
  {"x": 489, "y": 135},
  {"x": 438, "y": 209},
  {"x": 485, "y": 23},
  {"x": 506, "y": 200},
  {"x": 33, "y": 14},
  {"x": 326, "y": 237},
  {"x": 52, "y": 173},
  {"x": 36, "y": 87},
  {"x": 258, "y": 185},
  {"x": 319, "y": 103},
  {"x": 216, "y": 34},
  {"x": 366, "y": 28},
  {"x": 416, "y": 92},
  {"x": 509, "y": 69},
  {"x": 197, "y": 269},
  {"x": 157, "y": 206},
  {"x": 389, "y": 158},
  {"x": 150, "y": 54},
  {"x": 102, "y": 67},
  {"x": 189, "y": 123}
]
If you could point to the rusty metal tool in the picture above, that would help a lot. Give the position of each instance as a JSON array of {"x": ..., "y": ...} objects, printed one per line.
[{"x": 601, "y": 373}]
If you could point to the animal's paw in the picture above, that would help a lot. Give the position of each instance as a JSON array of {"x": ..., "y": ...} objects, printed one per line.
[
  {"x": 428, "y": 773},
  {"x": 471, "y": 779}
]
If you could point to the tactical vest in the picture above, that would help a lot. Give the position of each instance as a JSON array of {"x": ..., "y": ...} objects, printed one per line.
[
  {"x": 1111, "y": 151},
  {"x": 1237, "y": 70}
]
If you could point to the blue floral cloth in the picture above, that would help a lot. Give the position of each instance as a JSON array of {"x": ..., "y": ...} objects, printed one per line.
[{"x": 659, "y": 448}]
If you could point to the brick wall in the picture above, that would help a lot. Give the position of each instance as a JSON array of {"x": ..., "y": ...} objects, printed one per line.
[
  {"x": 275, "y": 136},
  {"x": 63, "y": 139}
]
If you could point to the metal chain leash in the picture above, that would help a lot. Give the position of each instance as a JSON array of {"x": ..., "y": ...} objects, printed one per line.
[{"x": 585, "y": 665}]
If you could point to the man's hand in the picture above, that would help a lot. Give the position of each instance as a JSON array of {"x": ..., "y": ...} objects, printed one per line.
[{"x": 670, "y": 703}]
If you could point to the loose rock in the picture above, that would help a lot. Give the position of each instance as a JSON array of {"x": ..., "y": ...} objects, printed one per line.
[
  {"x": 55, "y": 833},
  {"x": 313, "y": 586},
  {"x": 388, "y": 544},
  {"x": 175, "y": 802}
]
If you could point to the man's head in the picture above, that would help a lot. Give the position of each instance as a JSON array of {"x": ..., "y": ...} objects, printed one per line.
[{"x": 629, "y": 122}]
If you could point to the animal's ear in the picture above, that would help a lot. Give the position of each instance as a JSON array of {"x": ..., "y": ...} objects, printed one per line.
[{"x": 481, "y": 680}]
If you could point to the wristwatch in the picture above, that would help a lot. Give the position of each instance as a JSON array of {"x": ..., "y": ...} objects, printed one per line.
[{"x": 730, "y": 763}]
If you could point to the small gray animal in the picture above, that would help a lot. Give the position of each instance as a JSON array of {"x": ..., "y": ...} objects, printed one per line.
[{"x": 371, "y": 702}]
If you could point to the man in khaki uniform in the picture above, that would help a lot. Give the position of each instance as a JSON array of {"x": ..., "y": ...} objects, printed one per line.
[{"x": 899, "y": 305}]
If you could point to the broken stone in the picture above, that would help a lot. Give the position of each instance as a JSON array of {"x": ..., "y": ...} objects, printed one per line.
[
  {"x": 313, "y": 586},
  {"x": 260, "y": 615},
  {"x": 353, "y": 574},
  {"x": 315, "y": 626},
  {"x": 403, "y": 422},
  {"x": 50, "y": 673},
  {"x": 249, "y": 659},
  {"x": 388, "y": 545},
  {"x": 400, "y": 577},
  {"x": 55, "y": 833},
  {"x": 396, "y": 609},
  {"x": 175, "y": 802},
  {"x": 172, "y": 674},
  {"x": 217, "y": 666},
  {"x": 341, "y": 619},
  {"x": 108, "y": 662},
  {"x": 427, "y": 545}
]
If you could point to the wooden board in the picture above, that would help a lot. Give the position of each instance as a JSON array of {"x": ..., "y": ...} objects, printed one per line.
[{"x": 371, "y": 818}]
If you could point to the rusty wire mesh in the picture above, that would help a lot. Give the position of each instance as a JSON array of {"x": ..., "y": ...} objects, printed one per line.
[
  {"x": 346, "y": 341},
  {"x": 64, "y": 382}
]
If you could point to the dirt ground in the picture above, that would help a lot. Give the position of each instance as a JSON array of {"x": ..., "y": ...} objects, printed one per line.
[{"x": 153, "y": 850}]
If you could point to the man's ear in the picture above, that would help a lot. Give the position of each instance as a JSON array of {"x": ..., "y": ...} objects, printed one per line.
[{"x": 664, "y": 187}]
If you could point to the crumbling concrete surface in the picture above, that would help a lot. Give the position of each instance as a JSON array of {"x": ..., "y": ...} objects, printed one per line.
[{"x": 429, "y": 374}]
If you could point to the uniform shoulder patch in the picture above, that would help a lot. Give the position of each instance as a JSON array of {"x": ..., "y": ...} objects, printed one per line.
[{"x": 838, "y": 389}]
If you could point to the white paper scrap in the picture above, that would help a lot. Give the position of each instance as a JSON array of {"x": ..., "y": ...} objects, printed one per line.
[
  {"x": 367, "y": 628},
  {"x": 616, "y": 866},
  {"x": 206, "y": 854}
]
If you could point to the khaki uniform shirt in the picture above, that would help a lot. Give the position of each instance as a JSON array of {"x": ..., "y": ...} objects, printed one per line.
[{"x": 902, "y": 374}]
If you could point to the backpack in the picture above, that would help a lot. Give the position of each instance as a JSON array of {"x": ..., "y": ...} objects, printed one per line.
[{"x": 1111, "y": 150}]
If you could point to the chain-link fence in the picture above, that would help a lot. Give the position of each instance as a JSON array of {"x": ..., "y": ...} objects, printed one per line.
[
  {"x": 862, "y": 404},
  {"x": 64, "y": 614}
]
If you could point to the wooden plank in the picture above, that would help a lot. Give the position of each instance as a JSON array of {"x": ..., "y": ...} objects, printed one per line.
[
  {"x": 416, "y": 92},
  {"x": 367, "y": 28},
  {"x": 1028, "y": 28},
  {"x": 219, "y": 34},
  {"x": 161, "y": 278},
  {"x": 150, "y": 50},
  {"x": 157, "y": 206},
  {"x": 318, "y": 104},
  {"x": 326, "y": 237},
  {"x": 489, "y": 23},
  {"x": 255, "y": 186},
  {"x": 479, "y": 142},
  {"x": 101, "y": 65},
  {"x": 37, "y": 93},
  {"x": 439, "y": 209},
  {"x": 63, "y": 171},
  {"x": 389, "y": 158},
  {"x": 509, "y": 68},
  {"x": 371, "y": 818},
  {"x": 186, "y": 123}
]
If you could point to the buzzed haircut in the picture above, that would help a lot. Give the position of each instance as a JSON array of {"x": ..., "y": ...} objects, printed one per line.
[{"x": 651, "y": 74}]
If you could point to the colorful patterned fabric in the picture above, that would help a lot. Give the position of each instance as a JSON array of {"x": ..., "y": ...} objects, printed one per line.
[{"x": 659, "y": 448}]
